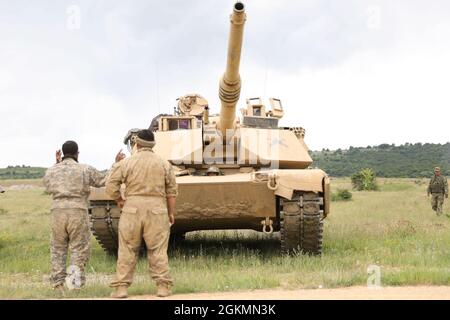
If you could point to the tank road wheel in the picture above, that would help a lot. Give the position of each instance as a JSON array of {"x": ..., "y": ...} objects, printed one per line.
[
  {"x": 301, "y": 225},
  {"x": 104, "y": 216}
]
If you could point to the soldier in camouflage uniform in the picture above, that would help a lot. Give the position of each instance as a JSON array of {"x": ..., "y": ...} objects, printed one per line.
[
  {"x": 69, "y": 184},
  {"x": 438, "y": 188},
  {"x": 147, "y": 212}
]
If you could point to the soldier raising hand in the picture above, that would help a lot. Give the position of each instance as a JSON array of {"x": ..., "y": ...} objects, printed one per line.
[{"x": 69, "y": 184}]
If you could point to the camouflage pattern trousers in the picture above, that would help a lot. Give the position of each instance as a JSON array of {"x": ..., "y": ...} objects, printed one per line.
[
  {"x": 143, "y": 217},
  {"x": 437, "y": 200},
  {"x": 70, "y": 230}
]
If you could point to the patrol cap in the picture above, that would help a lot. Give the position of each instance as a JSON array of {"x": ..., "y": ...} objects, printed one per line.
[
  {"x": 146, "y": 135},
  {"x": 437, "y": 169},
  {"x": 145, "y": 138},
  {"x": 70, "y": 147}
]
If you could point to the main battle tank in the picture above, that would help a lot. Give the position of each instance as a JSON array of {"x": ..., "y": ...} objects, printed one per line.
[{"x": 233, "y": 172}]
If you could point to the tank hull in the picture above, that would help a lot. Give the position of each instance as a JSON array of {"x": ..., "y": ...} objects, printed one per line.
[
  {"x": 223, "y": 202},
  {"x": 235, "y": 201}
]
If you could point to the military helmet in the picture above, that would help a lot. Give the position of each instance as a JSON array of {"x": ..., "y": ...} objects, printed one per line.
[
  {"x": 213, "y": 170},
  {"x": 437, "y": 169},
  {"x": 130, "y": 138}
]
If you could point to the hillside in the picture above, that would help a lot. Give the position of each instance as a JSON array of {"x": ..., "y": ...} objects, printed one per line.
[
  {"x": 21, "y": 172},
  {"x": 408, "y": 160}
]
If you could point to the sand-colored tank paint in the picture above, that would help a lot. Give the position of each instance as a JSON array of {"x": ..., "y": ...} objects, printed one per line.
[
  {"x": 230, "y": 84},
  {"x": 261, "y": 179}
]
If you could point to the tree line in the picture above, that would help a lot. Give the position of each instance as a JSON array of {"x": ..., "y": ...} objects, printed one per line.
[
  {"x": 387, "y": 160},
  {"x": 21, "y": 172}
]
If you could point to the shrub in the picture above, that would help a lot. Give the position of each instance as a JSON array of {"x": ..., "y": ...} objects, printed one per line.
[
  {"x": 364, "y": 180},
  {"x": 341, "y": 195}
]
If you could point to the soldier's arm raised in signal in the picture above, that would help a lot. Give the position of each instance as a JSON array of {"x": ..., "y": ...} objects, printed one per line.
[
  {"x": 96, "y": 178},
  {"x": 114, "y": 181},
  {"x": 46, "y": 180}
]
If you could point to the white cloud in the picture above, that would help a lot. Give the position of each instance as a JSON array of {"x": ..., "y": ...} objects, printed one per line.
[{"x": 346, "y": 83}]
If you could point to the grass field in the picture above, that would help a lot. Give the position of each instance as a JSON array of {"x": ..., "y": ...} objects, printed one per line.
[{"x": 393, "y": 228}]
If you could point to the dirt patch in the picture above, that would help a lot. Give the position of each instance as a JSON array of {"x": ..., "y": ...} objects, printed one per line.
[
  {"x": 19, "y": 187},
  {"x": 350, "y": 293}
]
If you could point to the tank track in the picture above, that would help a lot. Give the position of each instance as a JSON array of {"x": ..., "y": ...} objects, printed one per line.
[
  {"x": 104, "y": 217},
  {"x": 301, "y": 225}
]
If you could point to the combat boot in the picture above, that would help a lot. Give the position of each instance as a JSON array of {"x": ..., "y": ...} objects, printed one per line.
[
  {"x": 60, "y": 289},
  {"x": 120, "y": 292},
  {"x": 163, "y": 290}
]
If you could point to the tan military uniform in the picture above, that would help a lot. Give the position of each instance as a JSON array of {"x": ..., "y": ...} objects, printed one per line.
[
  {"x": 69, "y": 183},
  {"x": 149, "y": 180}
]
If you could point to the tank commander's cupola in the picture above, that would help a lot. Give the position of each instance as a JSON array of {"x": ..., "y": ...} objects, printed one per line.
[
  {"x": 191, "y": 105},
  {"x": 189, "y": 113},
  {"x": 256, "y": 116}
]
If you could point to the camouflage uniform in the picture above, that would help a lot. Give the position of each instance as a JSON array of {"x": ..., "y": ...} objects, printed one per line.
[
  {"x": 438, "y": 187},
  {"x": 69, "y": 183},
  {"x": 149, "y": 180}
]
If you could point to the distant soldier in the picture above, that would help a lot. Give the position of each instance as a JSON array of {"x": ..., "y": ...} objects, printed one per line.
[
  {"x": 69, "y": 184},
  {"x": 147, "y": 212},
  {"x": 438, "y": 188}
]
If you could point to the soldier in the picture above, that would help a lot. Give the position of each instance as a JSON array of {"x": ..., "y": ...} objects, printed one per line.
[
  {"x": 69, "y": 184},
  {"x": 213, "y": 171},
  {"x": 147, "y": 212},
  {"x": 438, "y": 187}
]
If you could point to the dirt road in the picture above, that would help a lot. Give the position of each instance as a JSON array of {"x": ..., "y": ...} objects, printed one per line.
[{"x": 360, "y": 293}]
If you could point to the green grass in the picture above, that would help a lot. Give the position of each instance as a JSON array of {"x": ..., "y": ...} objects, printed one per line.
[{"x": 393, "y": 228}]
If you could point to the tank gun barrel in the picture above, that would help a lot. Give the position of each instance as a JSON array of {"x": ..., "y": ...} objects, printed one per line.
[{"x": 230, "y": 84}]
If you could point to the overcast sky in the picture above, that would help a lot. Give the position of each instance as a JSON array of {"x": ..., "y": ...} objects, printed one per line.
[{"x": 352, "y": 73}]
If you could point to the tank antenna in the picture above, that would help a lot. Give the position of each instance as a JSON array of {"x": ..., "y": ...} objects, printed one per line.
[
  {"x": 265, "y": 76},
  {"x": 157, "y": 85}
]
